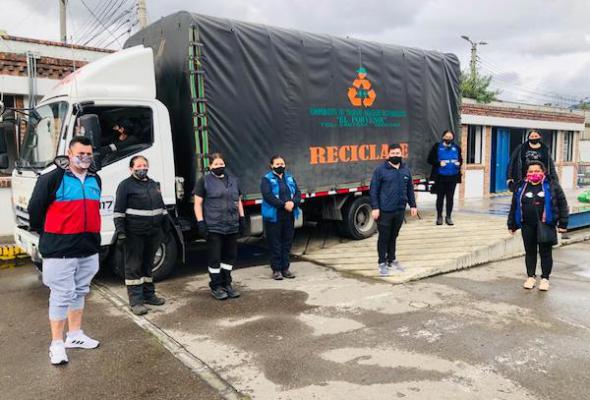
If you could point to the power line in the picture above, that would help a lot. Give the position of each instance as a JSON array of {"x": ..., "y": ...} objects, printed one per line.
[
  {"x": 91, "y": 12},
  {"x": 89, "y": 24}
]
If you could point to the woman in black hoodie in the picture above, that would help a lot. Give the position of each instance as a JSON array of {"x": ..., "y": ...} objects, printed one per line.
[{"x": 531, "y": 150}]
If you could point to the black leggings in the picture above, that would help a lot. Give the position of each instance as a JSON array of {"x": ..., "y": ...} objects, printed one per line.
[
  {"x": 529, "y": 238},
  {"x": 445, "y": 190}
]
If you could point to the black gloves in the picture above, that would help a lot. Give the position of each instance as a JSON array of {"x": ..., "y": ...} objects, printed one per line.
[
  {"x": 202, "y": 228},
  {"x": 242, "y": 228},
  {"x": 121, "y": 237}
]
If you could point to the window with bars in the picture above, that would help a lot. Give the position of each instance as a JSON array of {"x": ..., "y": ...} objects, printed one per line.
[
  {"x": 568, "y": 146},
  {"x": 475, "y": 144}
]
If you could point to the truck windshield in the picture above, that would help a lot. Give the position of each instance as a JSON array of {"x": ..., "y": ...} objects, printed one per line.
[{"x": 42, "y": 137}]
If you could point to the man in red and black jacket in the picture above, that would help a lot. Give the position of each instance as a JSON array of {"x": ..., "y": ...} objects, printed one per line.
[{"x": 65, "y": 210}]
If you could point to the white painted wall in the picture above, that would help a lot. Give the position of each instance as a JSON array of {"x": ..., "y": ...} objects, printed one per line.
[
  {"x": 7, "y": 219},
  {"x": 567, "y": 177},
  {"x": 584, "y": 150},
  {"x": 474, "y": 183}
]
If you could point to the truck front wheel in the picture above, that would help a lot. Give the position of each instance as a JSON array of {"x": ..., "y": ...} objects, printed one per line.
[
  {"x": 357, "y": 222},
  {"x": 164, "y": 261}
]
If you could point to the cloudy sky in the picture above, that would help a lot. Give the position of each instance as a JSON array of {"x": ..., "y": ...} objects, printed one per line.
[{"x": 538, "y": 50}]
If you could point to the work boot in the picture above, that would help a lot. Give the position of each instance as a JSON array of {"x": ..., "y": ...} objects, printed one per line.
[
  {"x": 277, "y": 276},
  {"x": 139, "y": 309},
  {"x": 231, "y": 292},
  {"x": 288, "y": 274},
  {"x": 439, "y": 220},
  {"x": 155, "y": 301},
  {"x": 449, "y": 221},
  {"x": 544, "y": 285},
  {"x": 383, "y": 271},
  {"x": 219, "y": 293},
  {"x": 530, "y": 283}
]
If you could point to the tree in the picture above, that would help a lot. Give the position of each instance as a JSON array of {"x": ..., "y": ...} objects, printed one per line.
[{"x": 478, "y": 88}]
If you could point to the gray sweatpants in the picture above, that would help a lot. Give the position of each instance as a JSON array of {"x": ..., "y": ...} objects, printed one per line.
[{"x": 69, "y": 281}]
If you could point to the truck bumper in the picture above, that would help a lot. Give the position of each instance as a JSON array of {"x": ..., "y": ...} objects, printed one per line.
[{"x": 29, "y": 242}]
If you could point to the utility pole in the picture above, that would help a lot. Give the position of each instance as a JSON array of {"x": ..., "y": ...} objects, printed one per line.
[
  {"x": 473, "y": 63},
  {"x": 142, "y": 13},
  {"x": 62, "y": 20}
]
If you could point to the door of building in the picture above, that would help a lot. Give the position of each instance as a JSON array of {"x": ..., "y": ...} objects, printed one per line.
[{"x": 500, "y": 159}]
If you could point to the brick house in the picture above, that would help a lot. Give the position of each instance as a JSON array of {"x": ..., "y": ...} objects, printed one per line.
[{"x": 491, "y": 132}]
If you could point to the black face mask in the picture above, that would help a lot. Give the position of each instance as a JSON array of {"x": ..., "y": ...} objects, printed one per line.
[
  {"x": 279, "y": 170},
  {"x": 395, "y": 160},
  {"x": 448, "y": 141},
  {"x": 218, "y": 171},
  {"x": 534, "y": 141},
  {"x": 141, "y": 173}
]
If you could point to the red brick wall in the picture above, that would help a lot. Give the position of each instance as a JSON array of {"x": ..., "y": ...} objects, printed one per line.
[{"x": 47, "y": 67}]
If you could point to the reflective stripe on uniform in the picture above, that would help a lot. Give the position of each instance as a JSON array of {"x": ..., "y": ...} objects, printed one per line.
[
  {"x": 147, "y": 279},
  {"x": 113, "y": 147},
  {"x": 145, "y": 213},
  {"x": 134, "y": 282},
  {"x": 118, "y": 215},
  {"x": 226, "y": 266},
  {"x": 214, "y": 270}
]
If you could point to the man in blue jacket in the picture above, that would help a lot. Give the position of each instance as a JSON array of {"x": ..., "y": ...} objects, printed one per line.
[{"x": 391, "y": 191}]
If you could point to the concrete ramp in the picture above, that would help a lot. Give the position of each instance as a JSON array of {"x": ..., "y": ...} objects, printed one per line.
[{"x": 423, "y": 248}]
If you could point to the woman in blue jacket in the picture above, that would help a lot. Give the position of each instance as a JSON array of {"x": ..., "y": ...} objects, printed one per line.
[
  {"x": 280, "y": 208},
  {"x": 446, "y": 160},
  {"x": 538, "y": 200}
]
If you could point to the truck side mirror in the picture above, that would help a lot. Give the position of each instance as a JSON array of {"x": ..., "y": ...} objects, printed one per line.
[{"x": 90, "y": 127}]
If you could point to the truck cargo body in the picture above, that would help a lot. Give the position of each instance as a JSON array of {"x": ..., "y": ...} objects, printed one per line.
[{"x": 265, "y": 90}]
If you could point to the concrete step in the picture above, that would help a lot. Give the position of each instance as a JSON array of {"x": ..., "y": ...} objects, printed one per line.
[{"x": 423, "y": 248}]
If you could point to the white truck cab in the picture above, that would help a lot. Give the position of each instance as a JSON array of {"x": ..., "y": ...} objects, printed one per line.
[{"x": 117, "y": 87}]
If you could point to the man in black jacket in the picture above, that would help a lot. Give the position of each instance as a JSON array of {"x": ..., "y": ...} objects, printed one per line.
[
  {"x": 531, "y": 150},
  {"x": 392, "y": 189},
  {"x": 141, "y": 221}
]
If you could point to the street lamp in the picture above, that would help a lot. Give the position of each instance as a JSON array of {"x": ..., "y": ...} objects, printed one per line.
[{"x": 473, "y": 54}]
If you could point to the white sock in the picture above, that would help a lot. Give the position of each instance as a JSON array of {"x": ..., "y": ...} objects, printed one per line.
[
  {"x": 74, "y": 333},
  {"x": 57, "y": 342}
]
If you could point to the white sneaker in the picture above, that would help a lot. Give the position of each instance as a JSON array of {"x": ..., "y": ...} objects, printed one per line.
[
  {"x": 81, "y": 341},
  {"x": 383, "y": 269},
  {"x": 529, "y": 283},
  {"x": 544, "y": 285},
  {"x": 57, "y": 354}
]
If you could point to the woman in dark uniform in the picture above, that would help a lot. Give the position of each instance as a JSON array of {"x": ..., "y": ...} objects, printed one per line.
[
  {"x": 141, "y": 221},
  {"x": 220, "y": 219},
  {"x": 280, "y": 208}
]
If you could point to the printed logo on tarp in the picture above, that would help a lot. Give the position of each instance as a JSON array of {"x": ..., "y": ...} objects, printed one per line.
[
  {"x": 362, "y": 96},
  {"x": 360, "y": 93}
]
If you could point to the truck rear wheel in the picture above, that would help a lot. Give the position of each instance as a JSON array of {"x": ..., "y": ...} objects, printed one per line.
[
  {"x": 357, "y": 222},
  {"x": 164, "y": 261}
]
